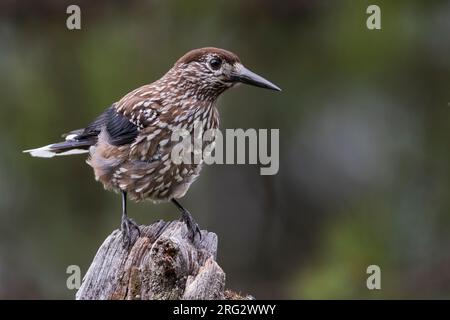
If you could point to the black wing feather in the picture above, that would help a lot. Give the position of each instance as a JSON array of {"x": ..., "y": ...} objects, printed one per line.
[{"x": 119, "y": 128}]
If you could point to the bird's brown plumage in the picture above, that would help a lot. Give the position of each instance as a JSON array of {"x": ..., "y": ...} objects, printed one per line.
[
  {"x": 130, "y": 144},
  {"x": 198, "y": 54},
  {"x": 144, "y": 168}
]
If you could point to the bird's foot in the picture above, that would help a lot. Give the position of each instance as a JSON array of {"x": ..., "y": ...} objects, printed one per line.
[
  {"x": 127, "y": 227},
  {"x": 191, "y": 225}
]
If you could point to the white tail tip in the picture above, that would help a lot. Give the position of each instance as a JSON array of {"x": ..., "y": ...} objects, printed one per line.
[{"x": 45, "y": 152}]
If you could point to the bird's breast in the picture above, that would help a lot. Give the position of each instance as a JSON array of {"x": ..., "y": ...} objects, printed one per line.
[{"x": 164, "y": 160}]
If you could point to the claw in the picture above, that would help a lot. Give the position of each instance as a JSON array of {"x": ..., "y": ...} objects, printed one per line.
[
  {"x": 187, "y": 218},
  {"x": 191, "y": 225},
  {"x": 127, "y": 226}
]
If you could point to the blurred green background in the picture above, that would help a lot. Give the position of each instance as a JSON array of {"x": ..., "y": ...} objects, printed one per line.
[{"x": 364, "y": 153}]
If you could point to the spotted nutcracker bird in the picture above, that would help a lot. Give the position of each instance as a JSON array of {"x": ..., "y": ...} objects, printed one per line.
[{"x": 129, "y": 144}]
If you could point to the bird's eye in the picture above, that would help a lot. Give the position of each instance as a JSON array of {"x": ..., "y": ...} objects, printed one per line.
[{"x": 215, "y": 63}]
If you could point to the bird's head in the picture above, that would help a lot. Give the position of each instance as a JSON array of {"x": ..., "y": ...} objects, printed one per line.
[{"x": 215, "y": 70}]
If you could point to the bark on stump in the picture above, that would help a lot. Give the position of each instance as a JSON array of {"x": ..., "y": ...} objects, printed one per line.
[{"x": 162, "y": 264}]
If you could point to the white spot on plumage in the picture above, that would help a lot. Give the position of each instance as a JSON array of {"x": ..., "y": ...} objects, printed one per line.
[
  {"x": 163, "y": 142},
  {"x": 141, "y": 188},
  {"x": 164, "y": 170},
  {"x": 71, "y": 137}
]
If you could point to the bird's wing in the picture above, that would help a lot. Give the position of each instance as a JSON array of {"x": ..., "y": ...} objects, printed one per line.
[
  {"x": 119, "y": 128},
  {"x": 142, "y": 112},
  {"x": 147, "y": 113}
]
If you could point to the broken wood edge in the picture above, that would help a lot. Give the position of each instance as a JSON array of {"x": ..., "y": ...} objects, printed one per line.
[{"x": 163, "y": 263}]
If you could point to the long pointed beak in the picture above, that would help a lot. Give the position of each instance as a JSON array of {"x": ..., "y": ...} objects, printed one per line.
[{"x": 246, "y": 76}]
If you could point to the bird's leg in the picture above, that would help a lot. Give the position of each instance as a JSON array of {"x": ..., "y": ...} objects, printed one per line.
[
  {"x": 127, "y": 225},
  {"x": 187, "y": 218}
]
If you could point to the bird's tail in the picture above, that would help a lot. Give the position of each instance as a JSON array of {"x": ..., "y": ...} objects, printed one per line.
[{"x": 65, "y": 148}]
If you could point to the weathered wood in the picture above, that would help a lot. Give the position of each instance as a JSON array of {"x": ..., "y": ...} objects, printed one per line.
[{"x": 162, "y": 264}]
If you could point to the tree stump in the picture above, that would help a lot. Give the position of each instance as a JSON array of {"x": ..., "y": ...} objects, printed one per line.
[{"x": 162, "y": 264}]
